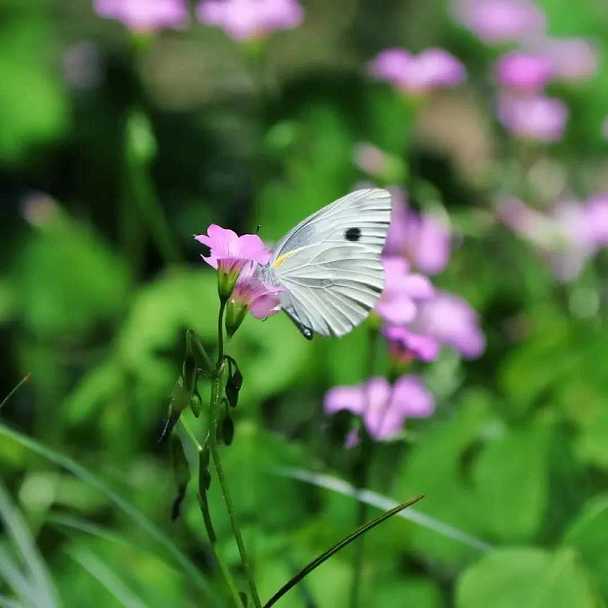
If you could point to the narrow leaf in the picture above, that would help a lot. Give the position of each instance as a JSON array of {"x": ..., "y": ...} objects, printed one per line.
[
  {"x": 126, "y": 507},
  {"x": 337, "y": 547}
]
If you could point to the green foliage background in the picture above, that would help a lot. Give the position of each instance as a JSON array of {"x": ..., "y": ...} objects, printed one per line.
[{"x": 97, "y": 287}]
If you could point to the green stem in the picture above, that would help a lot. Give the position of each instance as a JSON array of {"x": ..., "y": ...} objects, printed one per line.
[
  {"x": 236, "y": 531},
  {"x": 220, "y": 335},
  {"x": 216, "y": 388},
  {"x": 362, "y": 477},
  {"x": 204, "y": 506}
]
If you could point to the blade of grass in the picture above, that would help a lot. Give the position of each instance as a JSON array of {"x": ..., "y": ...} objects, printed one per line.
[
  {"x": 6, "y": 602},
  {"x": 104, "y": 575},
  {"x": 127, "y": 508},
  {"x": 17, "y": 387},
  {"x": 14, "y": 578},
  {"x": 18, "y": 532},
  {"x": 337, "y": 547},
  {"x": 379, "y": 501}
]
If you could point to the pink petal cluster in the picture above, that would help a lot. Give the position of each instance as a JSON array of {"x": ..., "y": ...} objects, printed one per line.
[
  {"x": 231, "y": 253},
  {"x": 533, "y": 117},
  {"x": 252, "y": 294},
  {"x": 523, "y": 71},
  {"x": 383, "y": 408},
  {"x": 424, "y": 240},
  {"x": 237, "y": 259},
  {"x": 431, "y": 69},
  {"x": 444, "y": 320},
  {"x": 402, "y": 291},
  {"x": 247, "y": 19},
  {"x": 496, "y": 21},
  {"x": 145, "y": 15},
  {"x": 566, "y": 235},
  {"x": 573, "y": 59}
]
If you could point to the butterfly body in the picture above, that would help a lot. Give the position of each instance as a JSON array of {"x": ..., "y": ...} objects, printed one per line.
[{"x": 329, "y": 268}]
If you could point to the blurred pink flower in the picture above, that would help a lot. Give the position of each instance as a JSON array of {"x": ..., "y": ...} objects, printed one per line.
[
  {"x": 597, "y": 217},
  {"x": 422, "y": 239},
  {"x": 451, "y": 321},
  {"x": 405, "y": 345},
  {"x": 370, "y": 158},
  {"x": 246, "y": 19},
  {"x": 501, "y": 20},
  {"x": 402, "y": 292},
  {"x": 384, "y": 408},
  {"x": 573, "y": 58},
  {"x": 145, "y": 15},
  {"x": 605, "y": 127},
  {"x": 567, "y": 235},
  {"x": 429, "y": 70},
  {"x": 533, "y": 117},
  {"x": 524, "y": 71}
]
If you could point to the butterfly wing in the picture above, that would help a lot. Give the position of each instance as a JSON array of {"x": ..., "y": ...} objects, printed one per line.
[{"x": 329, "y": 265}]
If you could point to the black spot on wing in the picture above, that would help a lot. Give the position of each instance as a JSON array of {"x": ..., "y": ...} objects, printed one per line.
[{"x": 353, "y": 234}]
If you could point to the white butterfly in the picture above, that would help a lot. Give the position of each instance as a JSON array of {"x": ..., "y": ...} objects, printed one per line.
[{"x": 329, "y": 265}]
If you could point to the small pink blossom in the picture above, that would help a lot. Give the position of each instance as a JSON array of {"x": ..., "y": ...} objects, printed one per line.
[
  {"x": 371, "y": 159},
  {"x": 524, "y": 71},
  {"x": 230, "y": 252},
  {"x": 384, "y": 408},
  {"x": 405, "y": 345},
  {"x": 429, "y": 70},
  {"x": 451, "y": 321},
  {"x": 261, "y": 300},
  {"x": 247, "y": 19},
  {"x": 566, "y": 236},
  {"x": 534, "y": 117},
  {"x": 501, "y": 20},
  {"x": 443, "y": 320},
  {"x": 402, "y": 291},
  {"x": 145, "y": 15},
  {"x": 597, "y": 217},
  {"x": 573, "y": 59},
  {"x": 422, "y": 239}
]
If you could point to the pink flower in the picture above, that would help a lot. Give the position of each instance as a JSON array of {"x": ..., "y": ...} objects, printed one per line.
[
  {"x": 402, "y": 291},
  {"x": 444, "y": 320},
  {"x": 597, "y": 217},
  {"x": 524, "y": 71},
  {"x": 429, "y": 70},
  {"x": 533, "y": 117},
  {"x": 145, "y": 15},
  {"x": 451, "y": 321},
  {"x": 501, "y": 20},
  {"x": 605, "y": 127},
  {"x": 226, "y": 247},
  {"x": 253, "y": 295},
  {"x": 566, "y": 236},
  {"x": 371, "y": 159},
  {"x": 422, "y": 239},
  {"x": 405, "y": 345},
  {"x": 246, "y": 19},
  {"x": 384, "y": 408},
  {"x": 230, "y": 254},
  {"x": 573, "y": 59}
]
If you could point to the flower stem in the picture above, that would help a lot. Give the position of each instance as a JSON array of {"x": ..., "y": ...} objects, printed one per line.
[
  {"x": 215, "y": 455},
  {"x": 206, "y": 514},
  {"x": 362, "y": 468},
  {"x": 216, "y": 388}
]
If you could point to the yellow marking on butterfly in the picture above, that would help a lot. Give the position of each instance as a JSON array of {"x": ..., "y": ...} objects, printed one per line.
[{"x": 282, "y": 258}]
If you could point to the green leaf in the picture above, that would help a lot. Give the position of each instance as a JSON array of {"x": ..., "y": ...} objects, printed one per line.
[
  {"x": 511, "y": 475},
  {"x": 59, "y": 297},
  {"x": 588, "y": 534},
  {"x": 33, "y": 103},
  {"x": 514, "y": 578}
]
